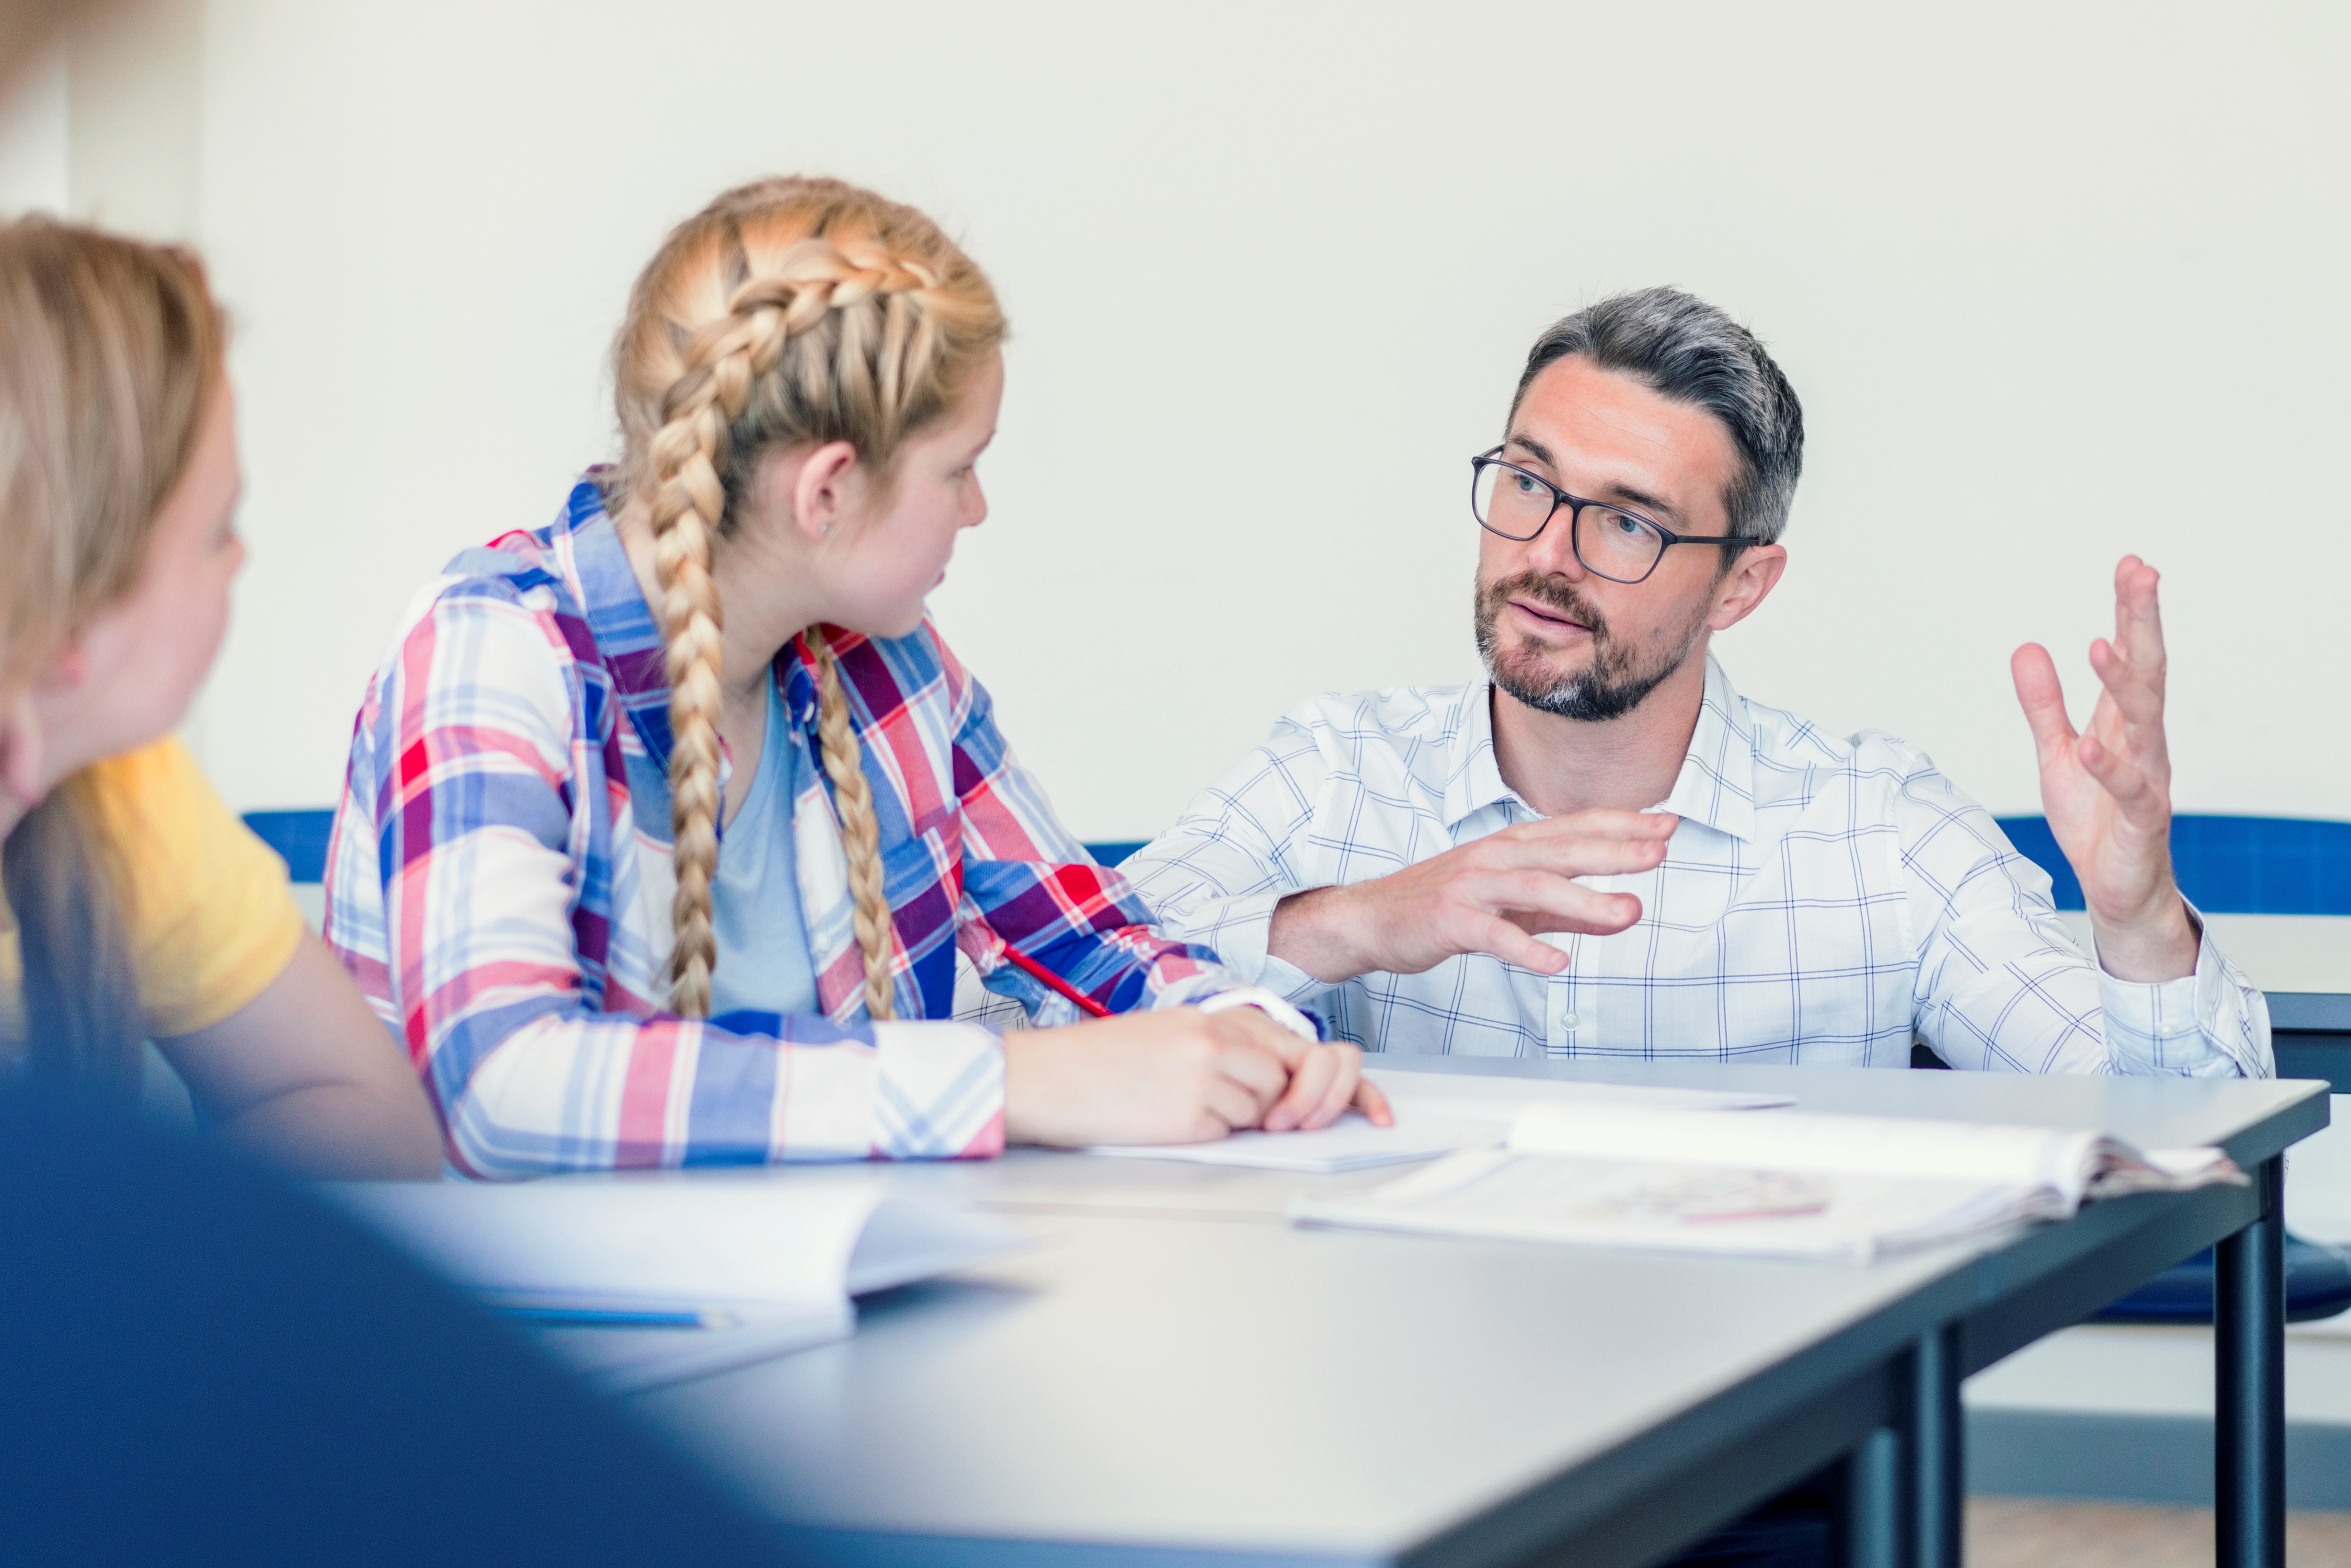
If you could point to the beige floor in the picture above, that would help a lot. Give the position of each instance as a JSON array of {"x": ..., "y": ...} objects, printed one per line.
[{"x": 2035, "y": 1532}]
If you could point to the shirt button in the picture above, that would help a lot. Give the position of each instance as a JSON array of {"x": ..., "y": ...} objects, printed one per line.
[{"x": 1568, "y": 1022}]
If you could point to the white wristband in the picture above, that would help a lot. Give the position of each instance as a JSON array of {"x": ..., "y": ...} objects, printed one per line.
[{"x": 1267, "y": 1002}]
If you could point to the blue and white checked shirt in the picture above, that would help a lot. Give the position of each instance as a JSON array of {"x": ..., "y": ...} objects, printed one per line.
[{"x": 1823, "y": 901}]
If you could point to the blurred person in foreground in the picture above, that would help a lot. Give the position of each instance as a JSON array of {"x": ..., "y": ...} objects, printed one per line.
[{"x": 136, "y": 906}]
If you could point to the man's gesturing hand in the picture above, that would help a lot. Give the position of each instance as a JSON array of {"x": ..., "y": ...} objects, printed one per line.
[
  {"x": 1491, "y": 896},
  {"x": 2108, "y": 790}
]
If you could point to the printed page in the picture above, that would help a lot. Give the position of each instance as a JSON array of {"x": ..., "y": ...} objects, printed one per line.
[
  {"x": 2055, "y": 1158},
  {"x": 1509, "y": 1196}
]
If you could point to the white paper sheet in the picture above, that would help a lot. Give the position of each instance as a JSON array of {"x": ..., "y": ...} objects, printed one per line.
[
  {"x": 631, "y": 1359},
  {"x": 1435, "y": 1115},
  {"x": 757, "y": 1247}
]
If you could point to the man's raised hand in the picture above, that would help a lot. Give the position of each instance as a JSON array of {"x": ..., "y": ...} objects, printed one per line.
[
  {"x": 2107, "y": 790},
  {"x": 1491, "y": 896}
]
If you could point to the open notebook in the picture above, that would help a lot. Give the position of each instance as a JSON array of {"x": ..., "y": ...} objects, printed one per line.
[
  {"x": 1436, "y": 1113},
  {"x": 1779, "y": 1183},
  {"x": 708, "y": 1273}
]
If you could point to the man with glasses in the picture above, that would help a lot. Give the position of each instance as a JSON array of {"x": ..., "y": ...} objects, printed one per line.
[{"x": 1605, "y": 851}]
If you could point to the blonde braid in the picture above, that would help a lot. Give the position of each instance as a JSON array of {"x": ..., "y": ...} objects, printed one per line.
[
  {"x": 860, "y": 830},
  {"x": 788, "y": 312},
  {"x": 689, "y": 504}
]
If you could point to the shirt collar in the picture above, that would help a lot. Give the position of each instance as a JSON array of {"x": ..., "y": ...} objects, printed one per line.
[
  {"x": 1473, "y": 779},
  {"x": 628, "y": 634},
  {"x": 1715, "y": 787}
]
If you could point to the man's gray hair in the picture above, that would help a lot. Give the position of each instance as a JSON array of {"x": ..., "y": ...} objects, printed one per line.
[{"x": 1684, "y": 349}]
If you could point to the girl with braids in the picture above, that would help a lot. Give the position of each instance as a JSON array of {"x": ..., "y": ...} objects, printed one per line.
[
  {"x": 136, "y": 906},
  {"x": 667, "y": 823}
]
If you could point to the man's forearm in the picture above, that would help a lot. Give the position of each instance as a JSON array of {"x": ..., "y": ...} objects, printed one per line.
[
  {"x": 1317, "y": 931},
  {"x": 2148, "y": 952}
]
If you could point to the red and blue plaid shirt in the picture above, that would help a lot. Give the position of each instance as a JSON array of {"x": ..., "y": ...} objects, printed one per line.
[{"x": 500, "y": 880}]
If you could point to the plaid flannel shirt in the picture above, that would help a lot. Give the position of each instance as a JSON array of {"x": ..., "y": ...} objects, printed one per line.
[
  {"x": 500, "y": 879},
  {"x": 1823, "y": 900}
]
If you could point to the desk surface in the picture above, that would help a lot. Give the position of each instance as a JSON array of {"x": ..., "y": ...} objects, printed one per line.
[{"x": 1175, "y": 1368}]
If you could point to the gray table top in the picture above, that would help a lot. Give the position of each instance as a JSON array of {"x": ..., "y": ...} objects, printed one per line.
[{"x": 1174, "y": 1366}]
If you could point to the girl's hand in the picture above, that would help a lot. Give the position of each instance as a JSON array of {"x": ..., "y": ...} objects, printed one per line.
[{"x": 1176, "y": 1077}]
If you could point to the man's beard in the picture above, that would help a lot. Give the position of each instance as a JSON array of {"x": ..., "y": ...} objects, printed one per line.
[{"x": 1615, "y": 685}]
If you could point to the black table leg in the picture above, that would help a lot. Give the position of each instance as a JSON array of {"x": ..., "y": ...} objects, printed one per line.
[
  {"x": 2248, "y": 1373},
  {"x": 1934, "y": 1460}
]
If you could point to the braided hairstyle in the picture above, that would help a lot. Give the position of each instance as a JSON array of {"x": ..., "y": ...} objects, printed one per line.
[{"x": 787, "y": 312}]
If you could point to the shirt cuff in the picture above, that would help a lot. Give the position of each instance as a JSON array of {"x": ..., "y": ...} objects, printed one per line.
[
  {"x": 2200, "y": 1024},
  {"x": 938, "y": 1091},
  {"x": 1239, "y": 929}
]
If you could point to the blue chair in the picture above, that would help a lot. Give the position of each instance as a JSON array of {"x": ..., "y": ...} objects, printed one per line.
[
  {"x": 2231, "y": 865},
  {"x": 300, "y": 840},
  {"x": 298, "y": 837},
  {"x": 2227, "y": 865}
]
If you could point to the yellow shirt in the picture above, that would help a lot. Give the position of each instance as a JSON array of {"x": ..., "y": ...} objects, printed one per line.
[{"x": 208, "y": 911}]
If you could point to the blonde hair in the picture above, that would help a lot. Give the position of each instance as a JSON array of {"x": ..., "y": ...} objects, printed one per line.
[
  {"x": 109, "y": 350},
  {"x": 787, "y": 312}
]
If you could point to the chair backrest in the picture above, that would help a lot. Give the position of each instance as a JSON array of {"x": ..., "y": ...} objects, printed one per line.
[
  {"x": 2227, "y": 865},
  {"x": 298, "y": 837},
  {"x": 300, "y": 840}
]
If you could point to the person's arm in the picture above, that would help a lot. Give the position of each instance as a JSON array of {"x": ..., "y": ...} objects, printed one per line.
[
  {"x": 2108, "y": 790},
  {"x": 305, "y": 1074},
  {"x": 1241, "y": 869},
  {"x": 472, "y": 890},
  {"x": 1493, "y": 895},
  {"x": 1031, "y": 889},
  {"x": 1999, "y": 985},
  {"x": 1242, "y": 846}
]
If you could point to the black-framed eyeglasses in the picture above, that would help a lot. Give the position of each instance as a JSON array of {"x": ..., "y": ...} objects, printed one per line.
[{"x": 1611, "y": 542}]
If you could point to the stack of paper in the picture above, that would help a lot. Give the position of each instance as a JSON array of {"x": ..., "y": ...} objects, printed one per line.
[
  {"x": 1436, "y": 1113},
  {"x": 640, "y": 1281},
  {"x": 1783, "y": 1184}
]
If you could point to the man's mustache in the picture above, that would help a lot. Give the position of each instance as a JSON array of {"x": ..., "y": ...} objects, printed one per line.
[{"x": 1551, "y": 592}]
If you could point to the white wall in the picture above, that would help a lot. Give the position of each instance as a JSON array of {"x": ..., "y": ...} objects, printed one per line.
[
  {"x": 34, "y": 144},
  {"x": 2055, "y": 282}
]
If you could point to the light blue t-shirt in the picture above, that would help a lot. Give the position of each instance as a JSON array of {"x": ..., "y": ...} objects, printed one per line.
[{"x": 755, "y": 901}]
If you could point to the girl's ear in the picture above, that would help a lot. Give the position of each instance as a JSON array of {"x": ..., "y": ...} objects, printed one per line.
[{"x": 826, "y": 490}]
